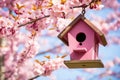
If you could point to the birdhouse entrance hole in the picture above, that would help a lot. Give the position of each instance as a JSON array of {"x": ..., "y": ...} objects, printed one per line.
[{"x": 81, "y": 37}]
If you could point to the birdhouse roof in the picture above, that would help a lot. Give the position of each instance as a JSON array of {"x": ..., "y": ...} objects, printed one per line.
[{"x": 100, "y": 35}]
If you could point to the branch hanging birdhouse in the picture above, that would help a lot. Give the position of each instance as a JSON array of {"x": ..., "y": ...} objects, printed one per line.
[{"x": 83, "y": 38}]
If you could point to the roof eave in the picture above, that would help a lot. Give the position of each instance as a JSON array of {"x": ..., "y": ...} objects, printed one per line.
[{"x": 99, "y": 33}]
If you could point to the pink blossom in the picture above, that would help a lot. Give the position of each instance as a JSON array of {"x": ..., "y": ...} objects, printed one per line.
[
  {"x": 38, "y": 69},
  {"x": 52, "y": 65},
  {"x": 109, "y": 64},
  {"x": 117, "y": 60},
  {"x": 24, "y": 13}
]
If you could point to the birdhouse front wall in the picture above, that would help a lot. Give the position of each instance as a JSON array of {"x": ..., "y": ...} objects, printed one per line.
[{"x": 81, "y": 41}]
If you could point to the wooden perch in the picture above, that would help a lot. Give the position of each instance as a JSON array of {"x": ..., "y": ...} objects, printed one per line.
[{"x": 84, "y": 64}]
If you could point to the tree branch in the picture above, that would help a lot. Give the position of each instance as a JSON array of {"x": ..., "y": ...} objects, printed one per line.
[
  {"x": 52, "y": 49},
  {"x": 34, "y": 77},
  {"x": 33, "y": 21},
  {"x": 83, "y": 5}
]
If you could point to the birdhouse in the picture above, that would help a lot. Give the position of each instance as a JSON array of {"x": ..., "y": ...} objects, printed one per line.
[{"x": 83, "y": 38}]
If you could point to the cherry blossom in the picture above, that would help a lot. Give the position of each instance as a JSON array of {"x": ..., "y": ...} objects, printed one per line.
[{"x": 21, "y": 31}]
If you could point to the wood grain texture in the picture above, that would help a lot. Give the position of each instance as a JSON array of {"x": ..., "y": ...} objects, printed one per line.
[{"x": 84, "y": 64}]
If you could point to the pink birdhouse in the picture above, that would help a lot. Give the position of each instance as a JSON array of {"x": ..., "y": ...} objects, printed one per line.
[{"x": 83, "y": 38}]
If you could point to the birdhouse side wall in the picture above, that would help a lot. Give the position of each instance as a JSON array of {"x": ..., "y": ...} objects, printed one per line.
[
  {"x": 87, "y": 45},
  {"x": 96, "y": 46}
]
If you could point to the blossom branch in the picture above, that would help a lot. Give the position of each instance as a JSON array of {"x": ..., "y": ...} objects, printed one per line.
[
  {"x": 54, "y": 48},
  {"x": 34, "y": 20},
  {"x": 34, "y": 77},
  {"x": 85, "y": 5}
]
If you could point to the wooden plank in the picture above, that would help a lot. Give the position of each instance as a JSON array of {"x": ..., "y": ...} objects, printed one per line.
[
  {"x": 84, "y": 64},
  {"x": 62, "y": 34}
]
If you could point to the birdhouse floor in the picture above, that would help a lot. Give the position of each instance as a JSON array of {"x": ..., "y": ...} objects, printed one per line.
[{"x": 84, "y": 64}]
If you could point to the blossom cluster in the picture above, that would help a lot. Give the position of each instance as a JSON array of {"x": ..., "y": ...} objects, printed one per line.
[
  {"x": 47, "y": 67},
  {"x": 21, "y": 24}
]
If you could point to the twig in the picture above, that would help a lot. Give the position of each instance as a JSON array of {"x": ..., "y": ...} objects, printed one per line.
[
  {"x": 49, "y": 50},
  {"x": 33, "y": 21},
  {"x": 83, "y": 5},
  {"x": 34, "y": 77}
]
